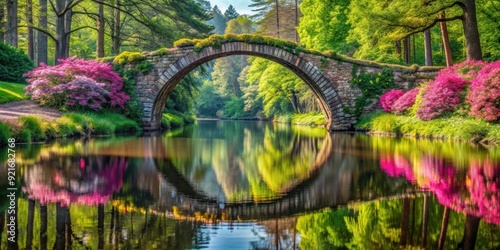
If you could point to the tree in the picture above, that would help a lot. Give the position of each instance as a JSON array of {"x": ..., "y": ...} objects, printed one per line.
[
  {"x": 11, "y": 32},
  {"x": 228, "y": 69},
  {"x": 100, "y": 30},
  {"x": 230, "y": 13},
  {"x": 29, "y": 19},
  {"x": 41, "y": 36},
  {"x": 218, "y": 21},
  {"x": 398, "y": 19},
  {"x": 324, "y": 25},
  {"x": 2, "y": 22}
]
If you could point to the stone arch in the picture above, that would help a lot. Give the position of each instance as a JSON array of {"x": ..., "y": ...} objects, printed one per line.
[{"x": 329, "y": 100}]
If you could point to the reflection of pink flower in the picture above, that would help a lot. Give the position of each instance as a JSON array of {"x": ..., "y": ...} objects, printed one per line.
[
  {"x": 485, "y": 189},
  {"x": 397, "y": 166},
  {"x": 95, "y": 191}
]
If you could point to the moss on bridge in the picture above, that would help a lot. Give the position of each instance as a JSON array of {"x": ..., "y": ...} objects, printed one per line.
[{"x": 216, "y": 41}]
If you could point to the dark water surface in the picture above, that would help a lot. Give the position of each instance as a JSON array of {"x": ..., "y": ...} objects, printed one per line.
[{"x": 253, "y": 185}]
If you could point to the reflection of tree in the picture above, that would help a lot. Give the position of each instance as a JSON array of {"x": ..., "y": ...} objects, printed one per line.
[
  {"x": 472, "y": 189},
  {"x": 324, "y": 230}
]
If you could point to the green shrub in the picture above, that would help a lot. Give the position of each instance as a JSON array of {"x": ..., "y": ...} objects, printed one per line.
[
  {"x": 175, "y": 120},
  {"x": 385, "y": 123},
  {"x": 4, "y": 133},
  {"x": 165, "y": 123},
  {"x": 34, "y": 125},
  {"x": 13, "y": 64}
]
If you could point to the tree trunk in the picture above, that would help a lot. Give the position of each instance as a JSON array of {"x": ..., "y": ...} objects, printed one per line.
[
  {"x": 295, "y": 101},
  {"x": 29, "y": 226},
  {"x": 398, "y": 47},
  {"x": 2, "y": 23},
  {"x": 41, "y": 37},
  {"x": 60, "y": 31},
  {"x": 405, "y": 218},
  {"x": 425, "y": 222},
  {"x": 446, "y": 42},
  {"x": 43, "y": 227},
  {"x": 29, "y": 20},
  {"x": 100, "y": 226},
  {"x": 407, "y": 50},
  {"x": 67, "y": 28},
  {"x": 296, "y": 21},
  {"x": 60, "y": 242},
  {"x": 11, "y": 33},
  {"x": 100, "y": 30},
  {"x": 428, "y": 47},
  {"x": 470, "y": 233},
  {"x": 444, "y": 228},
  {"x": 277, "y": 19},
  {"x": 116, "y": 29},
  {"x": 471, "y": 33}
]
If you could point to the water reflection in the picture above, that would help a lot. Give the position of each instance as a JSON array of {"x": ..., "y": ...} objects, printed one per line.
[{"x": 255, "y": 185}]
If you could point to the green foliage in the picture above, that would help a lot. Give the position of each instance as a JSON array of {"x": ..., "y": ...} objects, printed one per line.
[
  {"x": 162, "y": 51},
  {"x": 372, "y": 85},
  {"x": 324, "y": 230},
  {"x": 33, "y": 124},
  {"x": 5, "y": 133},
  {"x": 145, "y": 67},
  {"x": 450, "y": 128},
  {"x": 315, "y": 119},
  {"x": 234, "y": 108},
  {"x": 10, "y": 92},
  {"x": 128, "y": 57},
  {"x": 173, "y": 119},
  {"x": 13, "y": 64},
  {"x": 32, "y": 129},
  {"x": 217, "y": 41},
  {"x": 133, "y": 108},
  {"x": 209, "y": 101},
  {"x": 323, "y": 25}
]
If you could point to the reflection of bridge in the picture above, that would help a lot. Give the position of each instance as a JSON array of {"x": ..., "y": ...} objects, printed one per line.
[
  {"x": 330, "y": 184},
  {"x": 328, "y": 77}
]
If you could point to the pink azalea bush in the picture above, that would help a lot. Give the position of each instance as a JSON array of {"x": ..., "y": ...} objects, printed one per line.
[
  {"x": 76, "y": 82},
  {"x": 389, "y": 98},
  {"x": 484, "y": 95},
  {"x": 442, "y": 95},
  {"x": 405, "y": 101},
  {"x": 467, "y": 70}
]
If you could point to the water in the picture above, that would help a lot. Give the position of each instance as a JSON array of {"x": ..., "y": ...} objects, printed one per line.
[{"x": 254, "y": 185}]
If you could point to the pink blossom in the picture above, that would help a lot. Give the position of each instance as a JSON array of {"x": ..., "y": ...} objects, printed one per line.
[
  {"x": 389, "y": 98},
  {"x": 405, "y": 101},
  {"x": 441, "y": 95},
  {"x": 484, "y": 96},
  {"x": 76, "y": 82}
]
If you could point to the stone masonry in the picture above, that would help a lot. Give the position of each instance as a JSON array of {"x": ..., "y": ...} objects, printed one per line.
[{"x": 328, "y": 78}]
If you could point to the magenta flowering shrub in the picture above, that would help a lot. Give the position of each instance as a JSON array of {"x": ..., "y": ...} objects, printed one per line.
[
  {"x": 405, "y": 101},
  {"x": 387, "y": 100},
  {"x": 76, "y": 82},
  {"x": 467, "y": 70},
  {"x": 443, "y": 94},
  {"x": 484, "y": 94}
]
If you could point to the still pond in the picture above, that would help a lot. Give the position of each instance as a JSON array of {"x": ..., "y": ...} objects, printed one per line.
[{"x": 253, "y": 185}]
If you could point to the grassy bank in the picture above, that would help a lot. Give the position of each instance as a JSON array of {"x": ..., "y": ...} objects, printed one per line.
[
  {"x": 448, "y": 128},
  {"x": 173, "y": 119},
  {"x": 10, "y": 92},
  {"x": 35, "y": 129},
  {"x": 308, "y": 119}
]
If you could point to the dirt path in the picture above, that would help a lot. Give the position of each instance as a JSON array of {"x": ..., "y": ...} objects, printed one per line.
[{"x": 13, "y": 110}]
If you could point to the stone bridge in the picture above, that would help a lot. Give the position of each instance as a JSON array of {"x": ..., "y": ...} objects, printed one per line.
[{"x": 327, "y": 76}]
